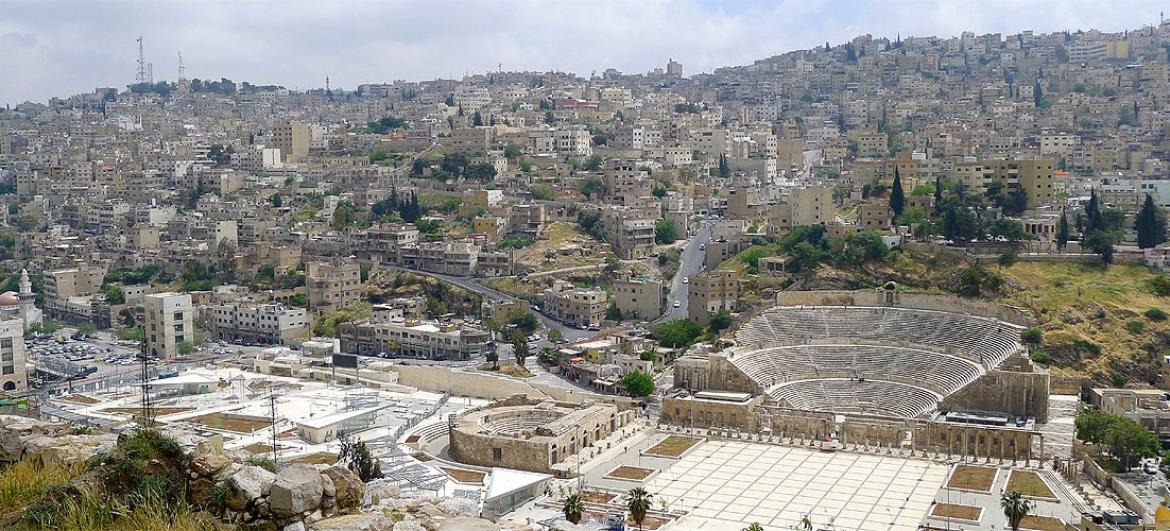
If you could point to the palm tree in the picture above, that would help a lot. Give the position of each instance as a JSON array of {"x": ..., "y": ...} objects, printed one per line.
[
  {"x": 1015, "y": 508},
  {"x": 754, "y": 527},
  {"x": 574, "y": 507},
  {"x": 806, "y": 523},
  {"x": 638, "y": 501}
]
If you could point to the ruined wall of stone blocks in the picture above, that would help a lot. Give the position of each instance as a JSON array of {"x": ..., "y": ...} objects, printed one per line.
[{"x": 1014, "y": 393}]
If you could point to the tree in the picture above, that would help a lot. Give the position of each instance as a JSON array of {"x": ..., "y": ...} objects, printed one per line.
[
  {"x": 1093, "y": 425},
  {"x": 590, "y": 186},
  {"x": 1128, "y": 441},
  {"x": 612, "y": 313},
  {"x": 185, "y": 348},
  {"x": 755, "y": 526},
  {"x": 115, "y": 295},
  {"x": 511, "y": 151},
  {"x": 574, "y": 508},
  {"x": 938, "y": 193},
  {"x": 665, "y": 231},
  {"x": 1015, "y": 508},
  {"x": 724, "y": 168},
  {"x": 356, "y": 457},
  {"x": 494, "y": 358},
  {"x": 476, "y": 119},
  {"x": 1150, "y": 225},
  {"x": 1037, "y": 94},
  {"x": 593, "y": 163},
  {"x": 638, "y": 383},
  {"x": 720, "y": 321},
  {"x": 678, "y": 333},
  {"x": 1032, "y": 336},
  {"x": 1101, "y": 242},
  {"x": 638, "y": 503},
  {"x": 555, "y": 335},
  {"x": 519, "y": 347},
  {"x": 1062, "y": 231},
  {"x": 897, "y": 195}
]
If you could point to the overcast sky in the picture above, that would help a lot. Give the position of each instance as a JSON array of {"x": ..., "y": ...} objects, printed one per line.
[{"x": 58, "y": 48}]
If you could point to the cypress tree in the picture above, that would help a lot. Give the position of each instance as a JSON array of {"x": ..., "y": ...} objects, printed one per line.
[
  {"x": 1062, "y": 231},
  {"x": 897, "y": 196},
  {"x": 937, "y": 194},
  {"x": 1151, "y": 230}
]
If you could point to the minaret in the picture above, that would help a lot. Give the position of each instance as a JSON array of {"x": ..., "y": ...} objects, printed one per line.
[{"x": 28, "y": 299}]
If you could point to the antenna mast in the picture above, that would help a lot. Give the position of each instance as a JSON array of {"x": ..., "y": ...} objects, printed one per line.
[
  {"x": 182, "y": 70},
  {"x": 141, "y": 78}
]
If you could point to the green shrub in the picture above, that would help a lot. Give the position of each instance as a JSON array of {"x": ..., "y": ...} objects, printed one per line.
[
  {"x": 1040, "y": 356},
  {"x": 263, "y": 462},
  {"x": 1155, "y": 314},
  {"x": 1161, "y": 285},
  {"x": 1135, "y": 326},
  {"x": 1032, "y": 336}
]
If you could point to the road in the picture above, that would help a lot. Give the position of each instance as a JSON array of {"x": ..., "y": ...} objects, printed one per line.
[
  {"x": 690, "y": 262},
  {"x": 571, "y": 334}
]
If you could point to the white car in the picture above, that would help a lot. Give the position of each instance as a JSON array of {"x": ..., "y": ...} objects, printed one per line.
[
  {"x": 686, "y": 280},
  {"x": 677, "y": 304}
]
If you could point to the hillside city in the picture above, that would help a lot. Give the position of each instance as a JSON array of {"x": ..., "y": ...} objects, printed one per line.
[{"x": 884, "y": 284}]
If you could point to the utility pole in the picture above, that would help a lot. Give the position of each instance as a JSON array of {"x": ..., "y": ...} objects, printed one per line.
[
  {"x": 147, "y": 405},
  {"x": 272, "y": 412}
]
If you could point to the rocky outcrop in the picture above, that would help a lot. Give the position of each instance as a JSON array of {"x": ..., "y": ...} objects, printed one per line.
[
  {"x": 16, "y": 431},
  {"x": 354, "y": 522},
  {"x": 297, "y": 490}
]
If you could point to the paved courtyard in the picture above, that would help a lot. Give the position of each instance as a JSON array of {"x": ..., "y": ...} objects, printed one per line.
[{"x": 730, "y": 484}]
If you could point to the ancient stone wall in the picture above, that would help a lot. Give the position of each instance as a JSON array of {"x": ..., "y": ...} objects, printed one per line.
[
  {"x": 873, "y": 297},
  {"x": 1015, "y": 393}
]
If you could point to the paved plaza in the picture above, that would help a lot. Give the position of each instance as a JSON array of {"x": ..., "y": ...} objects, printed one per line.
[{"x": 728, "y": 485}]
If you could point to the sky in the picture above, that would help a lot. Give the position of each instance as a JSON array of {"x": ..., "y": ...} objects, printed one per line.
[{"x": 56, "y": 48}]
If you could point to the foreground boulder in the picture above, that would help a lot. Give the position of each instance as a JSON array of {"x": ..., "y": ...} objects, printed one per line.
[
  {"x": 14, "y": 430},
  {"x": 348, "y": 489},
  {"x": 463, "y": 523},
  {"x": 354, "y": 522},
  {"x": 247, "y": 485},
  {"x": 297, "y": 490}
]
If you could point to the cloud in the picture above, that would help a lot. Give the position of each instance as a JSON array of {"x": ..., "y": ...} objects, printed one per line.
[{"x": 62, "y": 48}]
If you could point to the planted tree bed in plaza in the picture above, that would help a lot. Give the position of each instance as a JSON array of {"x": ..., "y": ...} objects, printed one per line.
[
  {"x": 672, "y": 446},
  {"x": 158, "y": 411},
  {"x": 228, "y": 422},
  {"x": 464, "y": 476},
  {"x": 974, "y": 478},
  {"x": 1042, "y": 523},
  {"x": 630, "y": 473},
  {"x": 960, "y": 512},
  {"x": 1029, "y": 484}
]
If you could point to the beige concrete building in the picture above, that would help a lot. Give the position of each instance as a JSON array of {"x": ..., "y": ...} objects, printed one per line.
[
  {"x": 415, "y": 339},
  {"x": 576, "y": 306},
  {"x": 639, "y": 297},
  {"x": 710, "y": 292},
  {"x": 332, "y": 285},
  {"x": 266, "y": 324},
  {"x": 810, "y": 205},
  {"x": 1037, "y": 178},
  {"x": 292, "y": 139},
  {"x": 169, "y": 320},
  {"x": 62, "y": 285},
  {"x": 13, "y": 359}
]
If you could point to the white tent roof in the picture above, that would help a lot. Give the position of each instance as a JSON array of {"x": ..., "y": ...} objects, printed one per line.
[{"x": 507, "y": 480}]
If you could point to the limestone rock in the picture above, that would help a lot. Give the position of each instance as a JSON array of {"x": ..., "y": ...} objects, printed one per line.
[
  {"x": 295, "y": 526},
  {"x": 355, "y": 522},
  {"x": 409, "y": 525},
  {"x": 297, "y": 489},
  {"x": 250, "y": 483},
  {"x": 348, "y": 489},
  {"x": 68, "y": 448},
  {"x": 209, "y": 464},
  {"x": 459, "y": 507},
  {"x": 378, "y": 491},
  {"x": 463, "y": 523}
]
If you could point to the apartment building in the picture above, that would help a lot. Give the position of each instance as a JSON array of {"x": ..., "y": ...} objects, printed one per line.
[
  {"x": 629, "y": 233},
  {"x": 13, "y": 359},
  {"x": 574, "y": 141},
  {"x": 582, "y": 307},
  {"x": 169, "y": 320},
  {"x": 332, "y": 285},
  {"x": 810, "y": 205},
  {"x": 265, "y": 324},
  {"x": 415, "y": 339},
  {"x": 710, "y": 292},
  {"x": 639, "y": 297},
  {"x": 1038, "y": 178},
  {"x": 64, "y": 284},
  {"x": 292, "y": 139}
]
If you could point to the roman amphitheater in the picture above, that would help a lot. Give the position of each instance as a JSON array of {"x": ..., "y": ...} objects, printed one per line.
[{"x": 890, "y": 363}]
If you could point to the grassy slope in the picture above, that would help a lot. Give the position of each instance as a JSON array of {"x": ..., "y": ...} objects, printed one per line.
[{"x": 1078, "y": 302}]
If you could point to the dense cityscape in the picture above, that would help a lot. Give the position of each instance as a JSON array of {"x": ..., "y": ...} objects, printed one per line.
[{"x": 882, "y": 284}]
